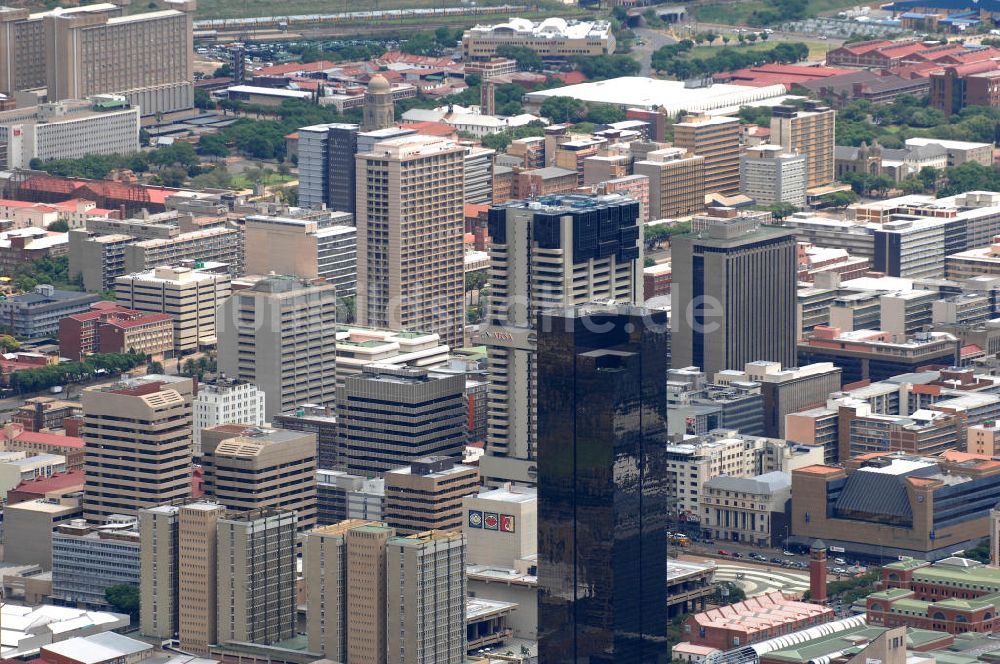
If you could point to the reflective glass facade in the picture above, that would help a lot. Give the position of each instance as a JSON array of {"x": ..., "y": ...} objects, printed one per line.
[{"x": 602, "y": 486}]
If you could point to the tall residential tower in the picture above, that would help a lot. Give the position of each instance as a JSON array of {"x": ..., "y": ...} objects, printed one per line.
[
  {"x": 553, "y": 252},
  {"x": 410, "y": 218}
]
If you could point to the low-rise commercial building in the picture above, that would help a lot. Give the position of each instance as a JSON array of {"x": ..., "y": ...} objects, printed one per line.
[
  {"x": 37, "y": 314},
  {"x": 89, "y": 559},
  {"x": 959, "y": 152},
  {"x": 690, "y": 465},
  {"x": 876, "y": 355},
  {"x": 890, "y": 505},
  {"x": 752, "y": 510},
  {"x": 17, "y": 467},
  {"x": 753, "y": 620},
  {"x": 28, "y": 526},
  {"x": 16, "y": 439}
]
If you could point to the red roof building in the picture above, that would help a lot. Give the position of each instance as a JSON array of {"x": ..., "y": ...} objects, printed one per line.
[
  {"x": 432, "y": 129},
  {"x": 54, "y": 486},
  {"x": 753, "y": 620},
  {"x": 294, "y": 68},
  {"x": 773, "y": 74},
  {"x": 571, "y": 77},
  {"x": 109, "y": 328}
]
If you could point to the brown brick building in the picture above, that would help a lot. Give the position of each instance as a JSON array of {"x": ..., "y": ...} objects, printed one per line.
[{"x": 890, "y": 505}]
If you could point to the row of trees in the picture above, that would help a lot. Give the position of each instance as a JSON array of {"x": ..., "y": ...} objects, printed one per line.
[
  {"x": 676, "y": 59},
  {"x": 907, "y": 117},
  {"x": 42, "y": 378},
  {"x": 97, "y": 167}
]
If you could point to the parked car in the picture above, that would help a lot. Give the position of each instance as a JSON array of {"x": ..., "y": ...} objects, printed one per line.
[
  {"x": 737, "y": 554},
  {"x": 786, "y": 552},
  {"x": 723, "y": 552},
  {"x": 777, "y": 561}
]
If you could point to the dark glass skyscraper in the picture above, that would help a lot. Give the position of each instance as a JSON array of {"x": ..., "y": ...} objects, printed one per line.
[{"x": 602, "y": 413}]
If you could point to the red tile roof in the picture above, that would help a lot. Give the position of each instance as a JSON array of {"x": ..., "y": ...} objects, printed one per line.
[
  {"x": 866, "y": 47},
  {"x": 145, "y": 319},
  {"x": 57, "y": 482},
  {"x": 430, "y": 128},
  {"x": 43, "y": 438},
  {"x": 571, "y": 77},
  {"x": 295, "y": 68},
  {"x": 902, "y": 50}
]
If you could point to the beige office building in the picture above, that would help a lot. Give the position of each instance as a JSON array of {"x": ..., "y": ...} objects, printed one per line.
[
  {"x": 552, "y": 39},
  {"x": 340, "y": 603},
  {"x": 262, "y": 468},
  {"x": 23, "y": 47},
  {"x": 197, "y": 563},
  {"x": 255, "y": 578},
  {"x": 158, "y": 569},
  {"x": 426, "y": 624},
  {"x": 137, "y": 444},
  {"x": 717, "y": 139},
  {"x": 410, "y": 219},
  {"x": 810, "y": 132},
  {"x": 427, "y": 495},
  {"x": 191, "y": 297},
  {"x": 307, "y": 248},
  {"x": 676, "y": 182},
  {"x": 27, "y": 529},
  {"x": 278, "y": 334},
  {"x": 146, "y": 57}
]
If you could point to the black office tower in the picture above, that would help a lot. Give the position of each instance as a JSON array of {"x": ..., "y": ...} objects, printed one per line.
[
  {"x": 342, "y": 145},
  {"x": 602, "y": 414}
]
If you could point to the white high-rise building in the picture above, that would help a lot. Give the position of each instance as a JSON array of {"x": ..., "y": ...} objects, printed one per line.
[
  {"x": 226, "y": 401},
  {"x": 769, "y": 174}
]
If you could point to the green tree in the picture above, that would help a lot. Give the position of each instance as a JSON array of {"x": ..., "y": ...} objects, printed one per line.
[
  {"x": 202, "y": 99},
  {"x": 527, "y": 59},
  {"x": 124, "y": 598},
  {"x": 8, "y": 343},
  {"x": 58, "y": 226},
  {"x": 346, "y": 309},
  {"x": 837, "y": 199},
  {"x": 604, "y": 114},
  {"x": 474, "y": 280},
  {"x": 154, "y": 368},
  {"x": 780, "y": 210},
  {"x": 563, "y": 109},
  {"x": 212, "y": 145}
]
